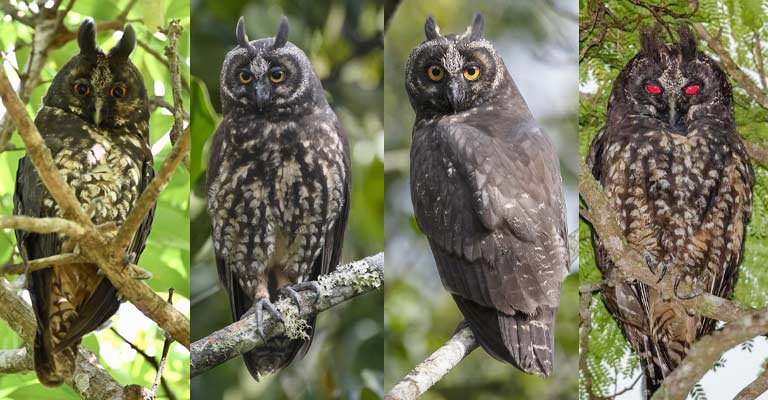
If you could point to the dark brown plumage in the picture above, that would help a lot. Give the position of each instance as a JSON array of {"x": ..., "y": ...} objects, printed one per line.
[
  {"x": 673, "y": 164},
  {"x": 100, "y": 143},
  {"x": 278, "y": 184},
  {"x": 487, "y": 193}
]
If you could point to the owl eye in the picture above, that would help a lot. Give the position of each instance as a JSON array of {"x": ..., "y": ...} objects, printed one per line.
[
  {"x": 691, "y": 90},
  {"x": 277, "y": 74},
  {"x": 117, "y": 92},
  {"x": 245, "y": 77},
  {"x": 471, "y": 72},
  {"x": 653, "y": 89},
  {"x": 436, "y": 73},
  {"x": 82, "y": 89}
]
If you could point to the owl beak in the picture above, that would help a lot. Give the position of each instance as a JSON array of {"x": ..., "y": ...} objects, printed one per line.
[
  {"x": 98, "y": 114},
  {"x": 262, "y": 94},
  {"x": 455, "y": 95}
]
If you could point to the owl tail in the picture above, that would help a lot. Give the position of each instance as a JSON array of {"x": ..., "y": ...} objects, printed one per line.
[
  {"x": 527, "y": 342},
  {"x": 276, "y": 354},
  {"x": 53, "y": 367}
]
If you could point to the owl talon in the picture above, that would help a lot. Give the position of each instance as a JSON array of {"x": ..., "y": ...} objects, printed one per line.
[
  {"x": 258, "y": 307},
  {"x": 689, "y": 296},
  {"x": 309, "y": 285}
]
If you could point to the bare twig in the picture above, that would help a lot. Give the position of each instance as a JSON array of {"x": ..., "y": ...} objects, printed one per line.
[
  {"x": 755, "y": 388},
  {"x": 163, "y": 357},
  {"x": 435, "y": 367},
  {"x": 707, "y": 351},
  {"x": 585, "y": 315},
  {"x": 43, "y": 225},
  {"x": 346, "y": 282},
  {"x": 171, "y": 53},
  {"x": 40, "y": 263}
]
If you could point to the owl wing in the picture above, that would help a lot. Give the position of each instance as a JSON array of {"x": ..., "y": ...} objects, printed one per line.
[{"x": 511, "y": 223}]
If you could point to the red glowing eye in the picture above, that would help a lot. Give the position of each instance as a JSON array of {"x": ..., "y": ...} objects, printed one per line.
[
  {"x": 691, "y": 90},
  {"x": 653, "y": 89}
]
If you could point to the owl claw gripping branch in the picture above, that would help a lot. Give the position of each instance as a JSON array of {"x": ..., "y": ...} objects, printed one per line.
[
  {"x": 95, "y": 121},
  {"x": 278, "y": 186}
]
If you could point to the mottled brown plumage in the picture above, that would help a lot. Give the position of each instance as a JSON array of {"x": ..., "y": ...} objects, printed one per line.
[
  {"x": 99, "y": 140},
  {"x": 278, "y": 185},
  {"x": 672, "y": 162}
]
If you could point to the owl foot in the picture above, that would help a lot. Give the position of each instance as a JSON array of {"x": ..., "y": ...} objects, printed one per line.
[
  {"x": 258, "y": 309},
  {"x": 292, "y": 291},
  {"x": 694, "y": 292}
]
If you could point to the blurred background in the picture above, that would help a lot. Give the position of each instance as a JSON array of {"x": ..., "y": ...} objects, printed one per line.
[
  {"x": 343, "y": 41},
  {"x": 607, "y": 44},
  {"x": 167, "y": 250},
  {"x": 537, "y": 41}
]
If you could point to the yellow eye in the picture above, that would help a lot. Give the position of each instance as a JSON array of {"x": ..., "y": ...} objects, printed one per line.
[
  {"x": 277, "y": 74},
  {"x": 436, "y": 73},
  {"x": 246, "y": 77},
  {"x": 471, "y": 72}
]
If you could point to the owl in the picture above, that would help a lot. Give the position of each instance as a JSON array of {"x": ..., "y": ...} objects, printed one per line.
[
  {"x": 487, "y": 193},
  {"x": 673, "y": 165},
  {"x": 95, "y": 121},
  {"x": 278, "y": 185}
]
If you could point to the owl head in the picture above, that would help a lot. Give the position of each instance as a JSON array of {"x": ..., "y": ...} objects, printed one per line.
[
  {"x": 452, "y": 73},
  {"x": 270, "y": 76},
  {"x": 675, "y": 84},
  {"x": 104, "y": 89}
]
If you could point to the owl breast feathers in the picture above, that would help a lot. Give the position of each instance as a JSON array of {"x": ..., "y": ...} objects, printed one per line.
[
  {"x": 94, "y": 120},
  {"x": 673, "y": 165},
  {"x": 278, "y": 185},
  {"x": 487, "y": 193}
]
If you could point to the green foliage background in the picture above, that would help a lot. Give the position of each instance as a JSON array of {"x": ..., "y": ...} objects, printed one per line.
[
  {"x": 419, "y": 314},
  {"x": 738, "y": 21},
  {"x": 345, "y": 360},
  {"x": 167, "y": 251}
]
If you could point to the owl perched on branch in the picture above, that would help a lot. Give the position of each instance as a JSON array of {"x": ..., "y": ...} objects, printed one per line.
[
  {"x": 487, "y": 193},
  {"x": 671, "y": 161},
  {"x": 95, "y": 121},
  {"x": 278, "y": 185}
]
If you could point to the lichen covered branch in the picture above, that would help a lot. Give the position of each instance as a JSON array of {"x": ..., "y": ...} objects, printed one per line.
[{"x": 348, "y": 281}]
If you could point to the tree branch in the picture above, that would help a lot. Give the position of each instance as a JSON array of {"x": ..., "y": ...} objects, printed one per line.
[
  {"x": 346, "y": 282},
  {"x": 707, "y": 351},
  {"x": 40, "y": 263},
  {"x": 43, "y": 225},
  {"x": 443, "y": 360},
  {"x": 90, "y": 381},
  {"x": 630, "y": 265},
  {"x": 756, "y": 388},
  {"x": 731, "y": 67},
  {"x": 436, "y": 366},
  {"x": 15, "y": 361}
]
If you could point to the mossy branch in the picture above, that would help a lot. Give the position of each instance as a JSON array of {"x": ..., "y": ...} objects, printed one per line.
[{"x": 348, "y": 281}]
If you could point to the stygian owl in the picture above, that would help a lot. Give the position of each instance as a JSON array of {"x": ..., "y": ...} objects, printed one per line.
[
  {"x": 673, "y": 165},
  {"x": 278, "y": 185},
  {"x": 487, "y": 193},
  {"x": 95, "y": 121}
]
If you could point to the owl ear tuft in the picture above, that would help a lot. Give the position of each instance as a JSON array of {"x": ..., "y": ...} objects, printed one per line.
[
  {"x": 651, "y": 44},
  {"x": 476, "y": 30},
  {"x": 431, "y": 30},
  {"x": 281, "y": 38},
  {"x": 242, "y": 37},
  {"x": 125, "y": 46},
  {"x": 86, "y": 37},
  {"x": 687, "y": 43}
]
